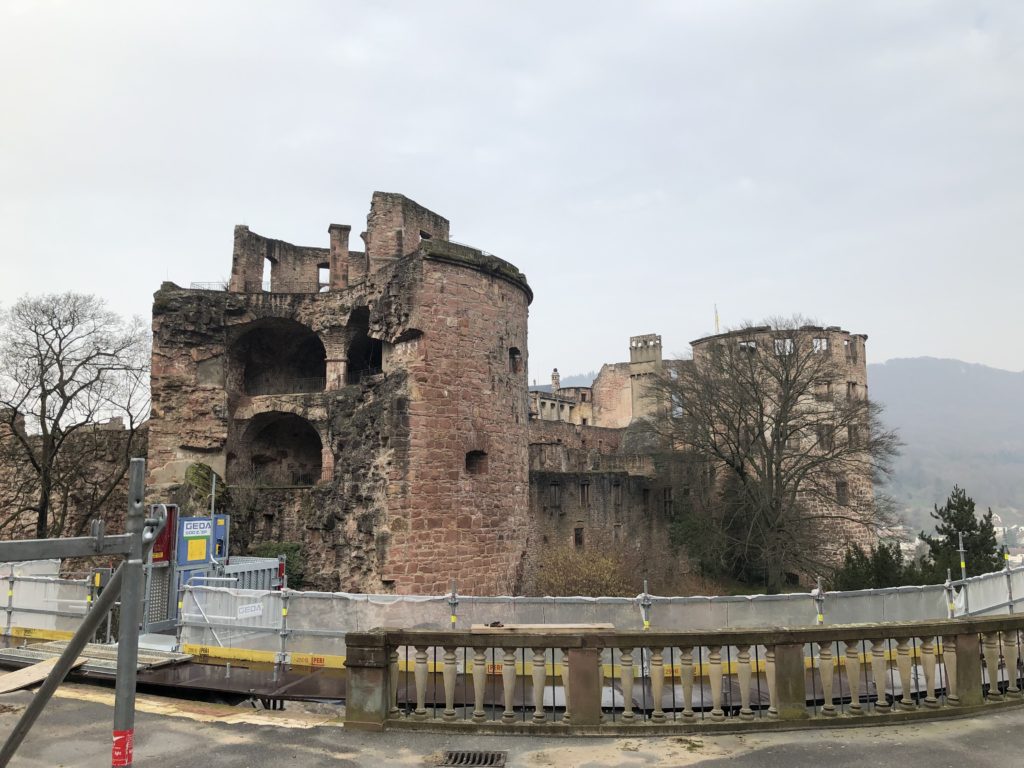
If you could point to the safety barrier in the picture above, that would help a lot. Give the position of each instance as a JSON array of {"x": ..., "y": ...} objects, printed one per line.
[
  {"x": 40, "y": 604},
  {"x": 593, "y": 680}
]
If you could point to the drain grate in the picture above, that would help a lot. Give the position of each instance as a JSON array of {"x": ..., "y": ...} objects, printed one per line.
[{"x": 474, "y": 758}]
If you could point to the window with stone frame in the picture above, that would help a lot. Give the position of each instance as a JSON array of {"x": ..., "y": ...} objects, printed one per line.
[
  {"x": 842, "y": 492},
  {"x": 577, "y": 537},
  {"x": 820, "y": 344},
  {"x": 584, "y": 493},
  {"x": 555, "y": 494},
  {"x": 824, "y": 435},
  {"x": 667, "y": 500}
]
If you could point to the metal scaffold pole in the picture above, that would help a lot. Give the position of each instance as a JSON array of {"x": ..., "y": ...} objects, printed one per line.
[
  {"x": 128, "y": 633},
  {"x": 126, "y": 583}
]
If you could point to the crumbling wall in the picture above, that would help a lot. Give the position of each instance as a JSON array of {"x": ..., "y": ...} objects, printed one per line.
[
  {"x": 613, "y": 397},
  {"x": 396, "y": 226},
  {"x": 423, "y": 472}
]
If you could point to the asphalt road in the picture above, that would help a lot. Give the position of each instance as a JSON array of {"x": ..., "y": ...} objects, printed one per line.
[{"x": 75, "y": 731}]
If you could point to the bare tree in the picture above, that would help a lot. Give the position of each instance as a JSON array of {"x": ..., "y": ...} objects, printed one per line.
[
  {"x": 783, "y": 453},
  {"x": 67, "y": 363}
]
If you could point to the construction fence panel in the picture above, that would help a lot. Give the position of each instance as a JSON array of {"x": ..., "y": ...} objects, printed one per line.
[
  {"x": 45, "y": 603},
  {"x": 218, "y": 617}
]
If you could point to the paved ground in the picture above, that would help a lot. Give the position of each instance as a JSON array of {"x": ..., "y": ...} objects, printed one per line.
[{"x": 75, "y": 731}]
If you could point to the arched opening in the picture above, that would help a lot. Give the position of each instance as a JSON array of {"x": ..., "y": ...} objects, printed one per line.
[
  {"x": 365, "y": 355},
  {"x": 279, "y": 356},
  {"x": 323, "y": 277},
  {"x": 515, "y": 360},
  {"x": 284, "y": 449}
]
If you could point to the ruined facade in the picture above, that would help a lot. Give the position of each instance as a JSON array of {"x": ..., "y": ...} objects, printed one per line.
[
  {"x": 375, "y": 398},
  {"x": 373, "y": 405},
  {"x": 630, "y": 495}
]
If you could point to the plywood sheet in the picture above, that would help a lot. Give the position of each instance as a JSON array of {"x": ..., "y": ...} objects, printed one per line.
[{"x": 22, "y": 678}]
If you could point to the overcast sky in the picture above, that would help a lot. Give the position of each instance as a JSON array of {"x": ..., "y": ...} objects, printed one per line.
[{"x": 859, "y": 163}]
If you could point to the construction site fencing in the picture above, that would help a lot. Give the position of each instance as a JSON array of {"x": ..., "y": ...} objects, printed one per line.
[
  {"x": 290, "y": 626},
  {"x": 41, "y": 604},
  {"x": 287, "y": 625}
]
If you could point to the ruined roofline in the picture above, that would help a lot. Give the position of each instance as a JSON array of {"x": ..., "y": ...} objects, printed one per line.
[
  {"x": 768, "y": 330},
  {"x": 473, "y": 258}
]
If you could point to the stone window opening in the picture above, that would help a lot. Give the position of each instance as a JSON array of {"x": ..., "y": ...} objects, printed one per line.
[
  {"x": 824, "y": 434},
  {"x": 584, "y": 421},
  {"x": 748, "y": 345},
  {"x": 555, "y": 494},
  {"x": 584, "y": 493},
  {"x": 279, "y": 357},
  {"x": 515, "y": 360},
  {"x": 784, "y": 346},
  {"x": 583, "y": 397},
  {"x": 424, "y": 235},
  {"x": 323, "y": 277},
  {"x": 823, "y": 390},
  {"x": 577, "y": 537},
  {"x": 842, "y": 492},
  {"x": 851, "y": 390},
  {"x": 476, "y": 462},
  {"x": 666, "y": 500},
  {"x": 268, "y": 270},
  {"x": 365, "y": 354},
  {"x": 617, "y": 494},
  {"x": 646, "y": 497},
  {"x": 284, "y": 450},
  {"x": 820, "y": 344}
]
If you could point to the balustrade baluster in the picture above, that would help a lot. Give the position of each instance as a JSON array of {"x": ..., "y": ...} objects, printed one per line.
[
  {"x": 825, "y": 671},
  {"x": 853, "y": 674},
  {"x": 686, "y": 679},
  {"x": 539, "y": 676},
  {"x": 743, "y": 676},
  {"x": 769, "y": 676},
  {"x": 928, "y": 663},
  {"x": 949, "y": 663},
  {"x": 508, "y": 682},
  {"x": 657, "y": 684},
  {"x": 449, "y": 673},
  {"x": 990, "y": 647},
  {"x": 879, "y": 669},
  {"x": 1010, "y": 655},
  {"x": 479, "y": 684},
  {"x": 903, "y": 664},
  {"x": 565, "y": 685},
  {"x": 420, "y": 675},
  {"x": 715, "y": 677},
  {"x": 393, "y": 682},
  {"x": 626, "y": 678}
]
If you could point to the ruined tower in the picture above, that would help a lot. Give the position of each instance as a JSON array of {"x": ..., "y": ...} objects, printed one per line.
[{"x": 369, "y": 404}]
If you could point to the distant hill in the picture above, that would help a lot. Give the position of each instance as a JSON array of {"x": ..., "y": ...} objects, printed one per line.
[{"x": 962, "y": 423}]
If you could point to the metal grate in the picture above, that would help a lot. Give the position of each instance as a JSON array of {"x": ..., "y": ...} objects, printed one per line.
[{"x": 473, "y": 757}]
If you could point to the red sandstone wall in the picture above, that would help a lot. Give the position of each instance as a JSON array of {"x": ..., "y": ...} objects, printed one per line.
[{"x": 445, "y": 521}]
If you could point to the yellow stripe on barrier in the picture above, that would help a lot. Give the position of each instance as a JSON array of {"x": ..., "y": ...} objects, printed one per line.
[
  {"x": 231, "y": 654},
  {"x": 30, "y": 633}
]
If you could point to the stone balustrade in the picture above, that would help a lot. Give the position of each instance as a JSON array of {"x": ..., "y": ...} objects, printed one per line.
[{"x": 600, "y": 681}]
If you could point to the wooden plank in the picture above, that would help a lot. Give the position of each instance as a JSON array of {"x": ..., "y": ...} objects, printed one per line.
[
  {"x": 550, "y": 629},
  {"x": 36, "y": 673}
]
